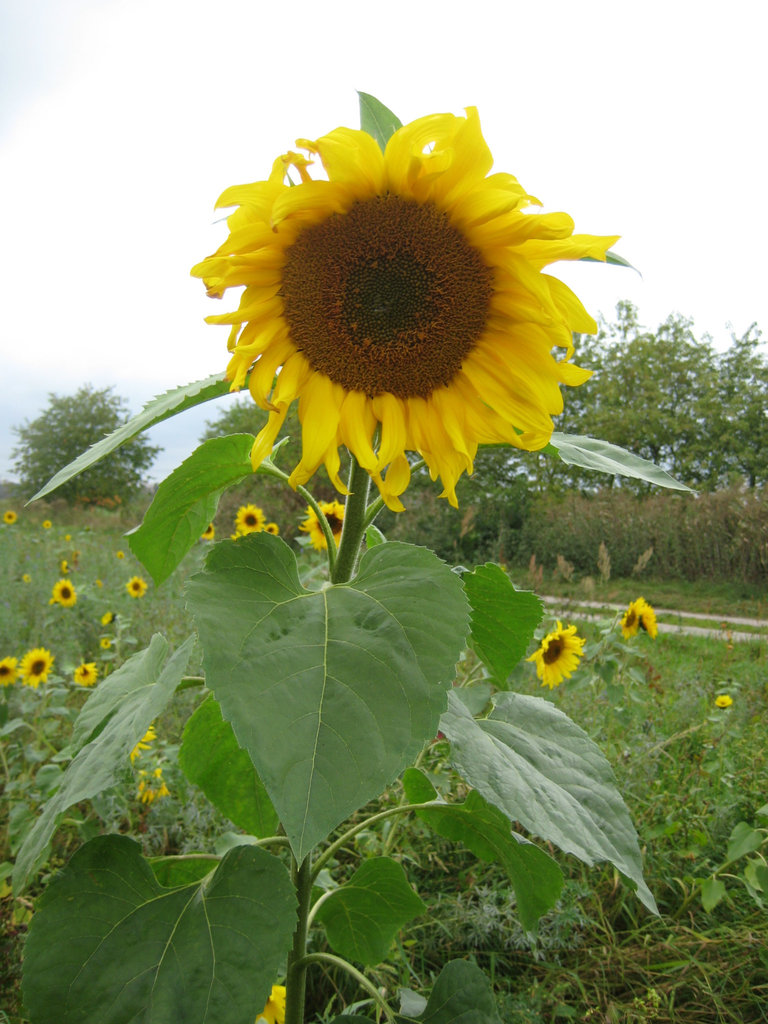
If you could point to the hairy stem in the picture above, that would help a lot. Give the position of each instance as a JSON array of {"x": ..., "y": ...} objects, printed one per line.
[
  {"x": 354, "y": 524},
  {"x": 296, "y": 972}
]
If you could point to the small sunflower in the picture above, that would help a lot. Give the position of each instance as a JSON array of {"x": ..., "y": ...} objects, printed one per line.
[
  {"x": 120, "y": 555},
  {"x": 99, "y": 584},
  {"x": 87, "y": 673},
  {"x": 35, "y": 666},
  {"x": 151, "y": 786},
  {"x": 8, "y": 671},
  {"x": 249, "y": 519},
  {"x": 639, "y": 615},
  {"x": 64, "y": 567},
  {"x": 67, "y": 537},
  {"x": 136, "y": 586},
  {"x": 64, "y": 594},
  {"x": 105, "y": 643},
  {"x": 404, "y": 298},
  {"x": 144, "y": 743},
  {"x": 558, "y": 655},
  {"x": 334, "y": 513},
  {"x": 723, "y": 701},
  {"x": 10, "y": 517},
  {"x": 47, "y": 524},
  {"x": 26, "y": 578},
  {"x": 272, "y": 528},
  {"x": 209, "y": 533},
  {"x": 107, "y": 617},
  {"x": 274, "y": 1011}
]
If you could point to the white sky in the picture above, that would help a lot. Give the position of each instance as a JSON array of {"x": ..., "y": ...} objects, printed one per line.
[{"x": 121, "y": 121}]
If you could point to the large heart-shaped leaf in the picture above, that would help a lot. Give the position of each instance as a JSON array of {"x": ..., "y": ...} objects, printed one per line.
[
  {"x": 363, "y": 916},
  {"x": 331, "y": 692},
  {"x": 109, "y": 943},
  {"x": 532, "y": 762},
  {"x": 483, "y": 829},
  {"x": 503, "y": 618},
  {"x": 134, "y": 698},
  {"x": 211, "y": 758}
]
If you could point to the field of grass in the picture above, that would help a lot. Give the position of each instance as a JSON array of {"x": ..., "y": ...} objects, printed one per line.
[{"x": 690, "y": 772}]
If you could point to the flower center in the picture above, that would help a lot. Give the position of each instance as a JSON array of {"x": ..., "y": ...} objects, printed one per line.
[
  {"x": 37, "y": 667},
  {"x": 553, "y": 651},
  {"x": 250, "y": 520},
  {"x": 334, "y": 522},
  {"x": 388, "y": 296},
  {"x": 630, "y": 619}
]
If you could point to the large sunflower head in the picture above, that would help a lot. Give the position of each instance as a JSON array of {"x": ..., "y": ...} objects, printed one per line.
[
  {"x": 402, "y": 299},
  {"x": 558, "y": 655},
  {"x": 35, "y": 666}
]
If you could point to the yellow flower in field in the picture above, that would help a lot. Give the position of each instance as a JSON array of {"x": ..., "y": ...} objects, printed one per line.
[
  {"x": 151, "y": 786},
  {"x": 209, "y": 533},
  {"x": 144, "y": 743},
  {"x": 35, "y": 666},
  {"x": 99, "y": 584},
  {"x": 10, "y": 517},
  {"x": 136, "y": 586},
  {"x": 47, "y": 524},
  {"x": 26, "y": 578},
  {"x": 274, "y": 1011},
  {"x": 67, "y": 537},
  {"x": 105, "y": 643},
  {"x": 249, "y": 519},
  {"x": 334, "y": 513},
  {"x": 87, "y": 673},
  {"x": 723, "y": 701},
  {"x": 119, "y": 554},
  {"x": 107, "y": 617},
  {"x": 8, "y": 671},
  {"x": 558, "y": 655},
  {"x": 63, "y": 594},
  {"x": 406, "y": 294},
  {"x": 64, "y": 567},
  {"x": 272, "y": 528},
  {"x": 639, "y": 615}
]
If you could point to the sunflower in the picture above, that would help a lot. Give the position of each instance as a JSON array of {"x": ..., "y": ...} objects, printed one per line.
[
  {"x": 136, "y": 586},
  {"x": 26, "y": 578},
  {"x": 47, "y": 524},
  {"x": 120, "y": 555},
  {"x": 334, "y": 513},
  {"x": 10, "y": 517},
  {"x": 107, "y": 617},
  {"x": 64, "y": 567},
  {"x": 87, "y": 673},
  {"x": 274, "y": 1011},
  {"x": 105, "y": 643},
  {"x": 403, "y": 302},
  {"x": 8, "y": 671},
  {"x": 639, "y": 615},
  {"x": 558, "y": 655},
  {"x": 272, "y": 528},
  {"x": 144, "y": 743},
  {"x": 249, "y": 519},
  {"x": 209, "y": 533},
  {"x": 64, "y": 594},
  {"x": 723, "y": 701},
  {"x": 35, "y": 666}
]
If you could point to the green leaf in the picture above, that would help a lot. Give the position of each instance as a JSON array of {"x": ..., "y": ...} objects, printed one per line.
[
  {"x": 532, "y": 762},
  {"x": 535, "y": 877},
  {"x": 135, "y": 695},
  {"x": 590, "y": 453},
  {"x": 613, "y": 259},
  {"x": 503, "y": 618},
  {"x": 377, "y": 120},
  {"x": 756, "y": 875},
  {"x": 363, "y": 916},
  {"x": 332, "y": 692},
  {"x": 172, "y": 872},
  {"x": 108, "y": 943},
  {"x": 186, "y": 502},
  {"x": 744, "y": 839},
  {"x": 462, "y": 994},
  {"x": 712, "y": 891},
  {"x": 211, "y": 758},
  {"x": 155, "y": 411}
]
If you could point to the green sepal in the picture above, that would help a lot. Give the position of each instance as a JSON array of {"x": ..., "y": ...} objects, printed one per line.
[
  {"x": 537, "y": 766},
  {"x": 109, "y": 943},
  {"x": 155, "y": 411},
  {"x": 481, "y": 828},
  {"x": 363, "y": 916},
  {"x": 132, "y": 697},
  {"x": 186, "y": 502},
  {"x": 211, "y": 758},
  {"x": 377, "y": 120}
]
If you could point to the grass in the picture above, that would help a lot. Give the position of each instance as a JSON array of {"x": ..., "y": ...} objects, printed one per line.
[{"x": 689, "y": 772}]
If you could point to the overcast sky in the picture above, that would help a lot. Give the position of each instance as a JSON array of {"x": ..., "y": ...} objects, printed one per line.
[{"x": 121, "y": 121}]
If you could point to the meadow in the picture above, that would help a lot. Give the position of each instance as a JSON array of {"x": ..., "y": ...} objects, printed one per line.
[{"x": 681, "y": 718}]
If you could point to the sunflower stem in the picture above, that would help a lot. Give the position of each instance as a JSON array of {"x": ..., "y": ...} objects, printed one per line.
[
  {"x": 296, "y": 971},
  {"x": 354, "y": 524}
]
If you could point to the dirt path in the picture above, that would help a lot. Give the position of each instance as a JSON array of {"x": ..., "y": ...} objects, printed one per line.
[{"x": 722, "y": 631}]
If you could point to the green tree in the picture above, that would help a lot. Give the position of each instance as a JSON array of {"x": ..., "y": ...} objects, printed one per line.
[
  {"x": 69, "y": 425},
  {"x": 740, "y": 419}
]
